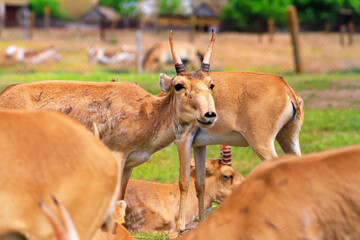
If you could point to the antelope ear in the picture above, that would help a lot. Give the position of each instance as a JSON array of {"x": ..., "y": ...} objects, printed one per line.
[
  {"x": 165, "y": 82},
  {"x": 211, "y": 166}
]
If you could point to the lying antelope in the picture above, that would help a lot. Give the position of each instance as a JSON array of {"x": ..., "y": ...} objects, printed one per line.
[
  {"x": 155, "y": 206},
  {"x": 159, "y": 55},
  {"x": 99, "y": 55},
  {"x": 253, "y": 110},
  {"x": 131, "y": 122},
  {"x": 44, "y": 153},
  {"x": 292, "y": 198},
  {"x": 32, "y": 56}
]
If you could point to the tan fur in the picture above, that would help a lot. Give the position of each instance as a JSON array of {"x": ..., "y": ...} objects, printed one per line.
[
  {"x": 159, "y": 55},
  {"x": 314, "y": 197},
  {"x": 253, "y": 109},
  {"x": 131, "y": 121},
  {"x": 46, "y": 153},
  {"x": 32, "y": 56},
  {"x": 155, "y": 206}
]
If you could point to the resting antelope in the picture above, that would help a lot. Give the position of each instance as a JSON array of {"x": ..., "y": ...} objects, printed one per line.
[
  {"x": 253, "y": 110},
  {"x": 315, "y": 197},
  {"x": 99, "y": 55},
  {"x": 159, "y": 55},
  {"x": 155, "y": 206},
  {"x": 45, "y": 153},
  {"x": 131, "y": 122},
  {"x": 31, "y": 56}
]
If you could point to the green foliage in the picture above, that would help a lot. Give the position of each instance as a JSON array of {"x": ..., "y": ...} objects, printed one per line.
[
  {"x": 315, "y": 13},
  {"x": 170, "y": 7},
  {"x": 244, "y": 15},
  {"x": 126, "y": 8},
  {"x": 38, "y": 7}
]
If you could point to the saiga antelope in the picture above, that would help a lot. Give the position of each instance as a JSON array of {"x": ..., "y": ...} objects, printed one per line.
[
  {"x": 253, "y": 110},
  {"x": 45, "y": 153},
  {"x": 159, "y": 55},
  {"x": 31, "y": 56},
  {"x": 132, "y": 123},
  {"x": 99, "y": 55},
  {"x": 314, "y": 197},
  {"x": 155, "y": 207}
]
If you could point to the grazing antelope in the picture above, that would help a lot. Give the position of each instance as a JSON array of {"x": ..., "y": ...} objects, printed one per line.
[
  {"x": 159, "y": 55},
  {"x": 131, "y": 122},
  {"x": 44, "y": 153},
  {"x": 32, "y": 56},
  {"x": 253, "y": 110},
  {"x": 99, "y": 55},
  {"x": 155, "y": 206},
  {"x": 316, "y": 197}
]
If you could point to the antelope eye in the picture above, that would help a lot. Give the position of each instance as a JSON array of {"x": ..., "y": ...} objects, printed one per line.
[
  {"x": 228, "y": 177},
  {"x": 178, "y": 87},
  {"x": 212, "y": 86}
]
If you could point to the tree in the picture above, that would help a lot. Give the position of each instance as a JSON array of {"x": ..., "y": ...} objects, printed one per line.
[
  {"x": 38, "y": 7},
  {"x": 314, "y": 13},
  {"x": 170, "y": 7},
  {"x": 244, "y": 15},
  {"x": 126, "y": 8}
]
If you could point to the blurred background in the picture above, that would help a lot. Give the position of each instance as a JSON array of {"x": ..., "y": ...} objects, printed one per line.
[
  {"x": 126, "y": 35},
  {"x": 314, "y": 45}
]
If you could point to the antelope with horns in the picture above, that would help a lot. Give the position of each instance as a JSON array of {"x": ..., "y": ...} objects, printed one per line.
[
  {"x": 253, "y": 110},
  {"x": 155, "y": 206},
  {"x": 315, "y": 197},
  {"x": 159, "y": 55},
  {"x": 44, "y": 153},
  {"x": 131, "y": 122}
]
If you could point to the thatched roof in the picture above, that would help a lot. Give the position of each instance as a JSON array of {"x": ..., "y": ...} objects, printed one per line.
[
  {"x": 97, "y": 13},
  {"x": 205, "y": 9},
  {"x": 16, "y": 2}
]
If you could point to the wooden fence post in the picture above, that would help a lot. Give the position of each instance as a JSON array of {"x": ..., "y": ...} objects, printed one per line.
[
  {"x": 192, "y": 21},
  {"x": 270, "y": 23},
  {"x": 47, "y": 12},
  {"x": 294, "y": 32},
  {"x": 139, "y": 66},
  {"x": 351, "y": 27},
  {"x": 2, "y": 17},
  {"x": 32, "y": 24},
  {"x": 342, "y": 34},
  {"x": 26, "y": 22}
]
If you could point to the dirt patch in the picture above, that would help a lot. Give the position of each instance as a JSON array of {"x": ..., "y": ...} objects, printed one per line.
[{"x": 336, "y": 98}]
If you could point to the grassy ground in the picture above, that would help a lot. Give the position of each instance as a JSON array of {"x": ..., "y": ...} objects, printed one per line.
[
  {"x": 327, "y": 123},
  {"x": 233, "y": 51}
]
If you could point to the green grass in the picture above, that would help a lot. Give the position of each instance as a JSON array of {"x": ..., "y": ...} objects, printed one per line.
[{"x": 322, "y": 129}]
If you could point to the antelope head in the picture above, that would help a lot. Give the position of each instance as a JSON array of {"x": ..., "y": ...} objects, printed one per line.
[{"x": 192, "y": 91}]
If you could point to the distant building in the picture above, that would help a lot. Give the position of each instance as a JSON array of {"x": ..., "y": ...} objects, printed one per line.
[
  {"x": 10, "y": 12},
  {"x": 207, "y": 16},
  {"x": 100, "y": 14}
]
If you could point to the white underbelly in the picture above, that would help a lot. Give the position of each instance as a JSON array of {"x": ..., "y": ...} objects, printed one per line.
[{"x": 203, "y": 138}]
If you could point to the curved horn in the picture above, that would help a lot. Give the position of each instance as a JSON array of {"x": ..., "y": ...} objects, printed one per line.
[
  {"x": 225, "y": 154},
  {"x": 96, "y": 131},
  {"x": 205, "y": 65},
  {"x": 179, "y": 66}
]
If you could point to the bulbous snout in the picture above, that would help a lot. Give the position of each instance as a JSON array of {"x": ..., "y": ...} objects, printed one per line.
[{"x": 207, "y": 115}]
